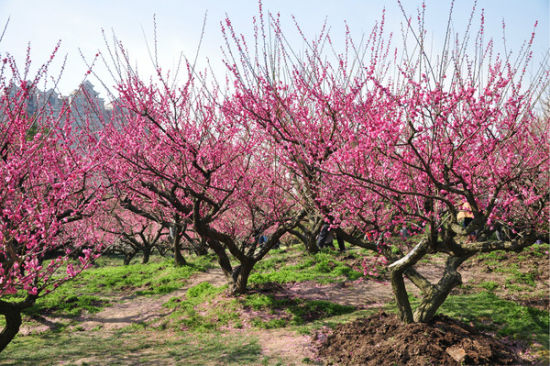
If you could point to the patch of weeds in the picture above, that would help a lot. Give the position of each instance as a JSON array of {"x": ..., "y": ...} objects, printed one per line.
[
  {"x": 512, "y": 268},
  {"x": 511, "y": 286},
  {"x": 489, "y": 312},
  {"x": 136, "y": 347},
  {"x": 526, "y": 278},
  {"x": 202, "y": 290},
  {"x": 300, "y": 311},
  {"x": 134, "y": 327},
  {"x": 332, "y": 322},
  {"x": 262, "y": 302},
  {"x": 305, "y": 311},
  {"x": 466, "y": 286},
  {"x": 63, "y": 303},
  {"x": 322, "y": 267},
  {"x": 489, "y": 285},
  {"x": 539, "y": 250},
  {"x": 199, "y": 312},
  {"x": 270, "y": 324},
  {"x": 88, "y": 291},
  {"x": 491, "y": 263},
  {"x": 497, "y": 255}
]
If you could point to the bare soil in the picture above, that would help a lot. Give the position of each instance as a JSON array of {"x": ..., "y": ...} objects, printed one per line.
[{"x": 382, "y": 339}]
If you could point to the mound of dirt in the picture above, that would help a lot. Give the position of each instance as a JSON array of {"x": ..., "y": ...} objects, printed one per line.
[{"x": 383, "y": 339}]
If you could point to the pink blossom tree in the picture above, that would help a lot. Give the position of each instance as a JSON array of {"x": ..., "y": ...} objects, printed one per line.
[
  {"x": 132, "y": 234},
  {"x": 49, "y": 190},
  {"x": 312, "y": 102},
  {"x": 457, "y": 134},
  {"x": 400, "y": 141},
  {"x": 188, "y": 152}
]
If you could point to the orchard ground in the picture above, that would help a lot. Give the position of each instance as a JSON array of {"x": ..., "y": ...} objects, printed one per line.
[{"x": 293, "y": 314}]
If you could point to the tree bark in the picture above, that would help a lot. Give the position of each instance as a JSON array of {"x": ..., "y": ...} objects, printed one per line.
[
  {"x": 12, "y": 314},
  {"x": 13, "y": 322},
  {"x": 311, "y": 245},
  {"x": 401, "y": 296},
  {"x": 397, "y": 269},
  {"x": 201, "y": 248},
  {"x": 128, "y": 257},
  {"x": 223, "y": 259},
  {"x": 432, "y": 299},
  {"x": 309, "y": 240},
  {"x": 240, "y": 277},
  {"x": 340, "y": 240},
  {"x": 176, "y": 242},
  {"x": 146, "y": 255}
]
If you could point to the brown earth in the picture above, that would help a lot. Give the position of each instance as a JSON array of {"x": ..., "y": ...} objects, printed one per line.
[{"x": 382, "y": 339}]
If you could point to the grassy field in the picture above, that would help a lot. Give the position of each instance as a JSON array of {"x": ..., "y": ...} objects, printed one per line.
[{"x": 204, "y": 325}]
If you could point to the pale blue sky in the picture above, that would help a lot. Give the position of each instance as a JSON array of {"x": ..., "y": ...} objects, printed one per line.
[{"x": 77, "y": 23}]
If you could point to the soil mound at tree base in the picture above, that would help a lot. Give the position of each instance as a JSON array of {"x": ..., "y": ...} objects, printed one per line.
[{"x": 382, "y": 339}]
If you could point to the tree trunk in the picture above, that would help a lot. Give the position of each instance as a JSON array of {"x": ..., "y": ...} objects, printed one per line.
[
  {"x": 311, "y": 244},
  {"x": 146, "y": 255},
  {"x": 240, "y": 278},
  {"x": 201, "y": 248},
  {"x": 340, "y": 240},
  {"x": 180, "y": 260},
  {"x": 223, "y": 259},
  {"x": 432, "y": 299},
  {"x": 176, "y": 242},
  {"x": 128, "y": 258},
  {"x": 308, "y": 239},
  {"x": 13, "y": 322},
  {"x": 397, "y": 269},
  {"x": 12, "y": 314},
  {"x": 401, "y": 296}
]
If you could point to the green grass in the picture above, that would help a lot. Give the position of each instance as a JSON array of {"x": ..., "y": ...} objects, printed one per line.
[
  {"x": 204, "y": 311},
  {"x": 535, "y": 250},
  {"x": 525, "y": 278},
  {"x": 90, "y": 290},
  {"x": 199, "y": 313},
  {"x": 489, "y": 285},
  {"x": 506, "y": 318},
  {"x": 322, "y": 267},
  {"x": 333, "y": 321},
  {"x": 298, "y": 311},
  {"x": 134, "y": 346},
  {"x": 539, "y": 250},
  {"x": 516, "y": 279}
]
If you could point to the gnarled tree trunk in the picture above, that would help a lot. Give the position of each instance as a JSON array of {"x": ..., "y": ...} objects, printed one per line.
[
  {"x": 12, "y": 314},
  {"x": 176, "y": 235},
  {"x": 240, "y": 277},
  {"x": 436, "y": 295},
  {"x": 146, "y": 255},
  {"x": 13, "y": 321}
]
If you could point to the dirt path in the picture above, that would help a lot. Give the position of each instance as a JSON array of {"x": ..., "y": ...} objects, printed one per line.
[
  {"x": 144, "y": 309},
  {"x": 362, "y": 294},
  {"x": 127, "y": 310}
]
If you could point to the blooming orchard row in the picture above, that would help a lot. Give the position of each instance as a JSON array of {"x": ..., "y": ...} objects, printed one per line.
[{"x": 362, "y": 140}]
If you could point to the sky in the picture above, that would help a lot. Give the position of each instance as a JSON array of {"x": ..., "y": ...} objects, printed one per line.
[{"x": 79, "y": 23}]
